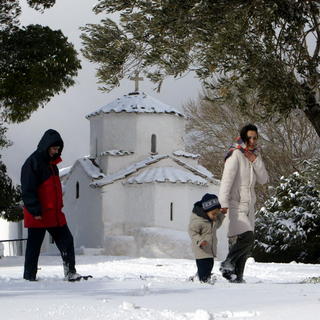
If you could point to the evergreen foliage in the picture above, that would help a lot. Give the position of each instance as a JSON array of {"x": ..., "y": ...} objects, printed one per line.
[
  {"x": 270, "y": 48},
  {"x": 35, "y": 64},
  {"x": 41, "y": 4},
  {"x": 10, "y": 11},
  {"x": 312, "y": 280},
  {"x": 4, "y": 142},
  {"x": 288, "y": 226},
  {"x": 10, "y": 197}
]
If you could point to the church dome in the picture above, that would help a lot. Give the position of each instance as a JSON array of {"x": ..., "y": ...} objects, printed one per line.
[{"x": 136, "y": 102}]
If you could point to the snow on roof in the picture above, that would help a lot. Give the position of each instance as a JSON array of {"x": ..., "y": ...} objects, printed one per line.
[
  {"x": 136, "y": 102},
  {"x": 166, "y": 174},
  {"x": 129, "y": 170},
  {"x": 181, "y": 153},
  {"x": 116, "y": 153},
  {"x": 88, "y": 166},
  {"x": 197, "y": 169},
  {"x": 198, "y": 175},
  {"x": 64, "y": 171},
  {"x": 91, "y": 170}
]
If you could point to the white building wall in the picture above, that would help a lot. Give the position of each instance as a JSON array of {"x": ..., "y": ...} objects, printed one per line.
[
  {"x": 84, "y": 213},
  {"x": 112, "y": 131},
  {"x": 169, "y": 130},
  {"x": 183, "y": 196},
  {"x": 119, "y": 131},
  {"x": 116, "y": 163},
  {"x": 140, "y": 202},
  {"x": 132, "y": 132},
  {"x": 126, "y": 207},
  {"x": 11, "y": 231},
  {"x": 96, "y": 131},
  {"x": 113, "y": 208}
]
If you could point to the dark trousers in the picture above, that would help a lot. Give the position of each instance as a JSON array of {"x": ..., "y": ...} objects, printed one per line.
[
  {"x": 240, "y": 248},
  {"x": 64, "y": 241},
  {"x": 204, "y": 268}
]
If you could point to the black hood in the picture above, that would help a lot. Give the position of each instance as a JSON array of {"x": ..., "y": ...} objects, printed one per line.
[
  {"x": 50, "y": 138},
  {"x": 198, "y": 210}
]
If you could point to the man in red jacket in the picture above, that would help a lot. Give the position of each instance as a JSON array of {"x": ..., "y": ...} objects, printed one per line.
[{"x": 42, "y": 197}]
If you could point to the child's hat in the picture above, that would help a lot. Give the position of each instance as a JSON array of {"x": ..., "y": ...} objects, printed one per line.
[{"x": 210, "y": 202}]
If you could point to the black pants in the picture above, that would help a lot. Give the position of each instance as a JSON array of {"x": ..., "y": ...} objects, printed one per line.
[
  {"x": 204, "y": 268},
  {"x": 240, "y": 248},
  {"x": 64, "y": 241}
]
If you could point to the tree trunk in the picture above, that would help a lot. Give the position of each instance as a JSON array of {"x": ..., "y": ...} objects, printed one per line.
[
  {"x": 312, "y": 110},
  {"x": 314, "y": 116}
]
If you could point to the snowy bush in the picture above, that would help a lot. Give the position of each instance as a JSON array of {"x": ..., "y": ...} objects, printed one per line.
[
  {"x": 311, "y": 170},
  {"x": 288, "y": 226}
]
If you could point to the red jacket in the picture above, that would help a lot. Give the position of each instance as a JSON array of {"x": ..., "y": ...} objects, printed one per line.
[{"x": 41, "y": 186}]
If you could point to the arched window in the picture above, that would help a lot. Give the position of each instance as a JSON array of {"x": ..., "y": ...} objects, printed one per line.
[
  {"x": 153, "y": 143},
  {"x": 77, "y": 190},
  {"x": 171, "y": 211}
]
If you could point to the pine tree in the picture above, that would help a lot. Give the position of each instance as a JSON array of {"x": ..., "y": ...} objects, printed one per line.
[
  {"x": 36, "y": 62},
  {"x": 10, "y": 197},
  {"x": 288, "y": 226}
]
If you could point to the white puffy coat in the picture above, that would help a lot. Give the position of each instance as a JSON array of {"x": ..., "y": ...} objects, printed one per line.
[{"x": 237, "y": 190}]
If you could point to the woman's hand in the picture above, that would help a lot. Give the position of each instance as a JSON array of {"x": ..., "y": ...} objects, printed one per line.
[
  {"x": 250, "y": 156},
  {"x": 204, "y": 243}
]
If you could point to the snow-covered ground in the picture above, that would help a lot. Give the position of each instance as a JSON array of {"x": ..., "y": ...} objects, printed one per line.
[{"x": 153, "y": 289}]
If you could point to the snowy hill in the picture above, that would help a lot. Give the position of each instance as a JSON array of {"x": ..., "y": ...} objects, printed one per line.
[{"x": 156, "y": 289}]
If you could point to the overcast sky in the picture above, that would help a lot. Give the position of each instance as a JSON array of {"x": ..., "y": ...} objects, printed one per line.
[{"x": 66, "y": 112}]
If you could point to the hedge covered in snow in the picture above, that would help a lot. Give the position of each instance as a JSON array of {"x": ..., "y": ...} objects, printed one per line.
[{"x": 288, "y": 226}]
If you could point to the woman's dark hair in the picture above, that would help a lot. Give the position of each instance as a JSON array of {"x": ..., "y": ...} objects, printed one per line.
[{"x": 245, "y": 129}]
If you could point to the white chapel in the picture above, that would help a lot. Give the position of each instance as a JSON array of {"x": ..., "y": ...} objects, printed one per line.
[{"x": 133, "y": 195}]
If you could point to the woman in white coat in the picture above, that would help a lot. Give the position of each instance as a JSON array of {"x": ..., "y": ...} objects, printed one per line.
[{"x": 243, "y": 168}]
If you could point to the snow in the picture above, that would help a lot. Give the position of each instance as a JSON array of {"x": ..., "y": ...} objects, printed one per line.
[
  {"x": 181, "y": 153},
  {"x": 289, "y": 224},
  {"x": 167, "y": 174},
  {"x": 91, "y": 170},
  {"x": 198, "y": 174},
  {"x": 156, "y": 242},
  {"x": 198, "y": 169},
  {"x": 86, "y": 163},
  {"x": 64, "y": 171},
  {"x": 137, "y": 102},
  {"x": 156, "y": 289},
  {"x": 116, "y": 153},
  {"x": 127, "y": 171}
]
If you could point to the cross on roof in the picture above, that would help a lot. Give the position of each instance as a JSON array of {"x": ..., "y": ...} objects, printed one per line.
[{"x": 136, "y": 80}]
